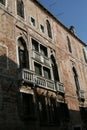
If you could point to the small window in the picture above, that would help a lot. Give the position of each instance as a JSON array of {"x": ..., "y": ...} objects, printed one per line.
[
  {"x": 42, "y": 28},
  {"x": 49, "y": 29},
  {"x": 20, "y": 8},
  {"x": 47, "y": 74},
  {"x": 32, "y": 21},
  {"x": 84, "y": 53},
  {"x": 43, "y": 50},
  {"x": 2, "y": 2},
  {"x": 38, "y": 68},
  {"x": 69, "y": 44},
  {"x": 76, "y": 81}
]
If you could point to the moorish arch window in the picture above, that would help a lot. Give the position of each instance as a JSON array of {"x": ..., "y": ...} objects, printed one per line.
[
  {"x": 3, "y": 2},
  {"x": 23, "y": 53},
  {"x": 54, "y": 68},
  {"x": 76, "y": 79},
  {"x": 49, "y": 29},
  {"x": 20, "y": 8}
]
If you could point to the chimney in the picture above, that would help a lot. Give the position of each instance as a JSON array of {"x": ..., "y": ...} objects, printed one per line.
[{"x": 72, "y": 29}]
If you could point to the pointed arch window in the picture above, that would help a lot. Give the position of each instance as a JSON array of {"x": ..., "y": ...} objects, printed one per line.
[
  {"x": 49, "y": 29},
  {"x": 76, "y": 79},
  {"x": 85, "y": 55},
  {"x": 23, "y": 53},
  {"x": 3, "y": 2},
  {"x": 54, "y": 69},
  {"x": 69, "y": 44},
  {"x": 20, "y": 8}
]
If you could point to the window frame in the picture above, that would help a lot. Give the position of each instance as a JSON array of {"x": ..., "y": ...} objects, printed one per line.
[
  {"x": 23, "y": 11},
  {"x": 26, "y": 52},
  {"x": 85, "y": 55},
  {"x": 3, "y": 2},
  {"x": 69, "y": 44},
  {"x": 33, "y": 23},
  {"x": 49, "y": 29},
  {"x": 42, "y": 29}
]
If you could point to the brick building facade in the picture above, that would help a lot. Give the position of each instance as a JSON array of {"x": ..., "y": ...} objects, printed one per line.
[{"x": 43, "y": 68}]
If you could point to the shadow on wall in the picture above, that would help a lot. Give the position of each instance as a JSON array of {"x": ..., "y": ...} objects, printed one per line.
[
  {"x": 8, "y": 66},
  {"x": 20, "y": 111}
]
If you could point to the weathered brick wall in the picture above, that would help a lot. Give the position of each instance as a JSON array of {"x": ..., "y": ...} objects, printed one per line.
[{"x": 12, "y": 27}]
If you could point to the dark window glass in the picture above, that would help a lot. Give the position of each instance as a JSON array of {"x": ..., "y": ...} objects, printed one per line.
[
  {"x": 20, "y": 8},
  {"x": 35, "y": 45},
  {"x": 49, "y": 28},
  {"x": 76, "y": 79},
  {"x": 83, "y": 112},
  {"x": 85, "y": 57},
  {"x": 42, "y": 28},
  {"x": 69, "y": 44},
  {"x": 54, "y": 68},
  {"x": 77, "y": 128},
  {"x": 32, "y": 21},
  {"x": 22, "y": 58},
  {"x": 26, "y": 106},
  {"x": 52, "y": 111},
  {"x": 23, "y": 54},
  {"x": 46, "y": 73},
  {"x": 43, "y": 50},
  {"x": 42, "y": 109},
  {"x": 3, "y": 1},
  {"x": 37, "y": 69}
]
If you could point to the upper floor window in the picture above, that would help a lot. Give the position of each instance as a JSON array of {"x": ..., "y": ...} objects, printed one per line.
[
  {"x": 35, "y": 45},
  {"x": 49, "y": 29},
  {"x": 2, "y": 2},
  {"x": 43, "y": 50},
  {"x": 42, "y": 71},
  {"x": 39, "y": 48},
  {"x": 32, "y": 21},
  {"x": 47, "y": 74},
  {"x": 20, "y": 8},
  {"x": 54, "y": 68},
  {"x": 69, "y": 44},
  {"x": 76, "y": 79},
  {"x": 42, "y": 28},
  {"x": 38, "y": 69},
  {"x": 85, "y": 55},
  {"x": 23, "y": 53}
]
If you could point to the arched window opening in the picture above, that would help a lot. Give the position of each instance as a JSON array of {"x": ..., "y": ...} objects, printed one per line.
[
  {"x": 54, "y": 69},
  {"x": 2, "y": 2},
  {"x": 23, "y": 53},
  {"x": 69, "y": 44},
  {"x": 76, "y": 79},
  {"x": 20, "y": 8},
  {"x": 49, "y": 28}
]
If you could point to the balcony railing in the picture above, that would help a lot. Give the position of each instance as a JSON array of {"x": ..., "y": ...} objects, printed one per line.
[
  {"x": 60, "y": 87},
  {"x": 29, "y": 77},
  {"x": 42, "y": 82}
]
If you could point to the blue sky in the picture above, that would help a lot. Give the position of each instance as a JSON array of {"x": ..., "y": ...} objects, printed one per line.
[{"x": 70, "y": 12}]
